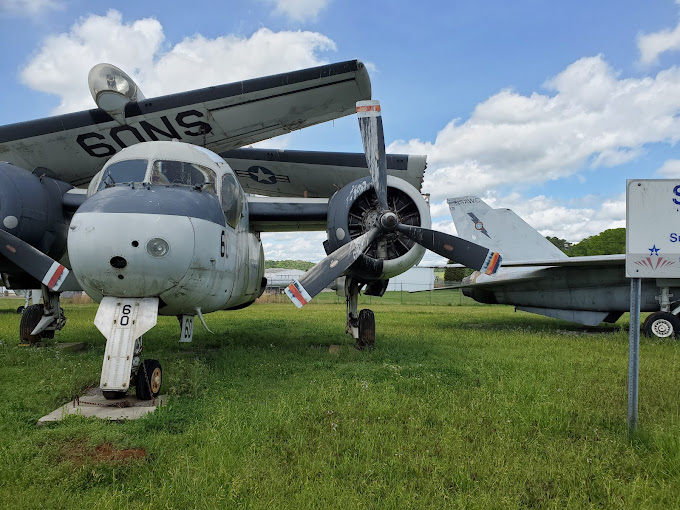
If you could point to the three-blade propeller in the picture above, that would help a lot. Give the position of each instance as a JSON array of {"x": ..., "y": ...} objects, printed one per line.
[{"x": 453, "y": 248}]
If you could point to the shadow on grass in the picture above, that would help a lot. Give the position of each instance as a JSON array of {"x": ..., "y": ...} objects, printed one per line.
[{"x": 9, "y": 312}]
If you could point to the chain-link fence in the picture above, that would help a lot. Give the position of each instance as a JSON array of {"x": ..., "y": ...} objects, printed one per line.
[{"x": 409, "y": 294}]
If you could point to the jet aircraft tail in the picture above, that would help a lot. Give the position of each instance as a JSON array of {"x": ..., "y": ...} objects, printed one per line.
[{"x": 500, "y": 230}]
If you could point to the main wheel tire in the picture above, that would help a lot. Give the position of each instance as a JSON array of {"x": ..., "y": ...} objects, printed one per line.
[
  {"x": 149, "y": 379},
  {"x": 661, "y": 325},
  {"x": 29, "y": 320},
  {"x": 366, "y": 338},
  {"x": 114, "y": 394}
]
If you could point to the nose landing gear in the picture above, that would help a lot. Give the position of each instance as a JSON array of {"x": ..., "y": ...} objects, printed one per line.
[
  {"x": 148, "y": 380},
  {"x": 146, "y": 377},
  {"x": 123, "y": 321}
]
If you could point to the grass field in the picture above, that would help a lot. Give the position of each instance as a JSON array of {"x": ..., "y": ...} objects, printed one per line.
[{"x": 458, "y": 406}]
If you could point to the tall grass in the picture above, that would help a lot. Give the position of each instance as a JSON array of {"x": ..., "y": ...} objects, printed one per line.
[{"x": 461, "y": 406}]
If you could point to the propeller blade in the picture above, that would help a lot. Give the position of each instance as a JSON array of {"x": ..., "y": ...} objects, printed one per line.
[
  {"x": 321, "y": 275},
  {"x": 33, "y": 261},
  {"x": 454, "y": 248},
  {"x": 373, "y": 138}
]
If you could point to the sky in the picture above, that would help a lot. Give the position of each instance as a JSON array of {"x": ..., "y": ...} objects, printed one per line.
[{"x": 542, "y": 107}]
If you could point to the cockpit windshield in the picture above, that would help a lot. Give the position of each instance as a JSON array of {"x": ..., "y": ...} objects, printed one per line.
[
  {"x": 131, "y": 170},
  {"x": 181, "y": 173}
]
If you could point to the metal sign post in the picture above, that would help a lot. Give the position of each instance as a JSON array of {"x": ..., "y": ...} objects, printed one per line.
[
  {"x": 652, "y": 228},
  {"x": 653, "y": 252},
  {"x": 633, "y": 354}
]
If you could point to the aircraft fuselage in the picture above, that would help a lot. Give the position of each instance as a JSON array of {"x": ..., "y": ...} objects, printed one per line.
[
  {"x": 603, "y": 289},
  {"x": 167, "y": 242},
  {"x": 179, "y": 231}
]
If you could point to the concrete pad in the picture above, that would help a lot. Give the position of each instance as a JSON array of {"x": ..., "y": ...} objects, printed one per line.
[
  {"x": 94, "y": 405},
  {"x": 71, "y": 346}
]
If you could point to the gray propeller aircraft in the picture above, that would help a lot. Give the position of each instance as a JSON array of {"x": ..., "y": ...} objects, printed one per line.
[
  {"x": 166, "y": 225},
  {"x": 537, "y": 277}
]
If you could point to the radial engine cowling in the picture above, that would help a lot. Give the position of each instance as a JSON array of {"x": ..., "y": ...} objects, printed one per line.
[
  {"x": 354, "y": 209},
  {"x": 31, "y": 208}
]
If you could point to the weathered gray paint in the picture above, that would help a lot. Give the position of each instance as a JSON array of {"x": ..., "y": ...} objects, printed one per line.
[{"x": 156, "y": 199}]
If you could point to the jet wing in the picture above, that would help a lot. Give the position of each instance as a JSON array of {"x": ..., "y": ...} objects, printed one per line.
[
  {"x": 312, "y": 174},
  {"x": 519, "y": 271},
  {"x": 494, "y": 281},
  {"x": 76, "y": 145},
  {"x": 590, "y": 260}
]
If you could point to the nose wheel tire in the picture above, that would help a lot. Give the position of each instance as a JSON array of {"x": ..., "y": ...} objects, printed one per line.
[
  {"x": 366, "y": 338},
  {"x": 149, "y": 379},
  {"x": 661, "y": 325}
]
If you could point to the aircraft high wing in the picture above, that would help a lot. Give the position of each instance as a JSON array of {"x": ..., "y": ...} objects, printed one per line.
[
  {"x": 166, "y": 228},
  {"x": 539, "y": 278},
  {"x": 293, "y": 173},
  {"x": 75, "y": 146}
]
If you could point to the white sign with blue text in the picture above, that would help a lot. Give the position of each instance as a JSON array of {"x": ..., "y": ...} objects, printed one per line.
[{"x": 653, "y": 228}]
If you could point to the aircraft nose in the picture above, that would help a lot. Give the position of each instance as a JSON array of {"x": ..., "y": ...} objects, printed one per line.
[{"x": 122, "y": 245}]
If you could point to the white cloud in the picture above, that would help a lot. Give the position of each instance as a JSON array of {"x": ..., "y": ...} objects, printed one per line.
[
  {"x": 299, "y": 10},
  {"x": 593, "y": 119},
  {"x": 29, "y": 7},
  {"x": 654, "y": 44},
  {"x": 198, "y": 62},
  {"x": 62, "y": 64},
  {"x": 670, "y": 169}
]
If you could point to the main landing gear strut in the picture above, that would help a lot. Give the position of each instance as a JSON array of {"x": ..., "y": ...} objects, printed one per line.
[
  {"x": 361, "y": 324},
  {"x": 664, "y": 323},
  {"x": 41, "y": 320}
]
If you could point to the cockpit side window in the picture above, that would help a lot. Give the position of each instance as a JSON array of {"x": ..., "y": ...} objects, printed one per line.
[
  {"x": 180, "y": 173},
  {"x": 232, "y": 199},
  {"x": 131, "y": 170}
]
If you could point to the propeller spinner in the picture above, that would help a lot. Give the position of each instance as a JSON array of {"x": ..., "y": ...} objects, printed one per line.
[{"x": 387, "y": 221}]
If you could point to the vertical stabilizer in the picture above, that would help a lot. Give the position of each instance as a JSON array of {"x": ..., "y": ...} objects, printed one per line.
[{"x": 500, "y": 230}]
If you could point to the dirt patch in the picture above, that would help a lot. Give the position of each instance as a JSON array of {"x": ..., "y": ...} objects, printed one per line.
[
  {"x": 79, "y": 453},
  {"x": 107, "y": 452}
]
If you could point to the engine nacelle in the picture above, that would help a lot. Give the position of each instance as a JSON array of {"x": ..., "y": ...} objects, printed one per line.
[
  {"x": 31, "y": 208},
  {"x": 353, "y": 210}
]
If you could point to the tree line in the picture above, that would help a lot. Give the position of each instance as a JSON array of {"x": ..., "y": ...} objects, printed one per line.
[
  {"x": 609, "y": 242},
  {"x": 302, "y": 265}
]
